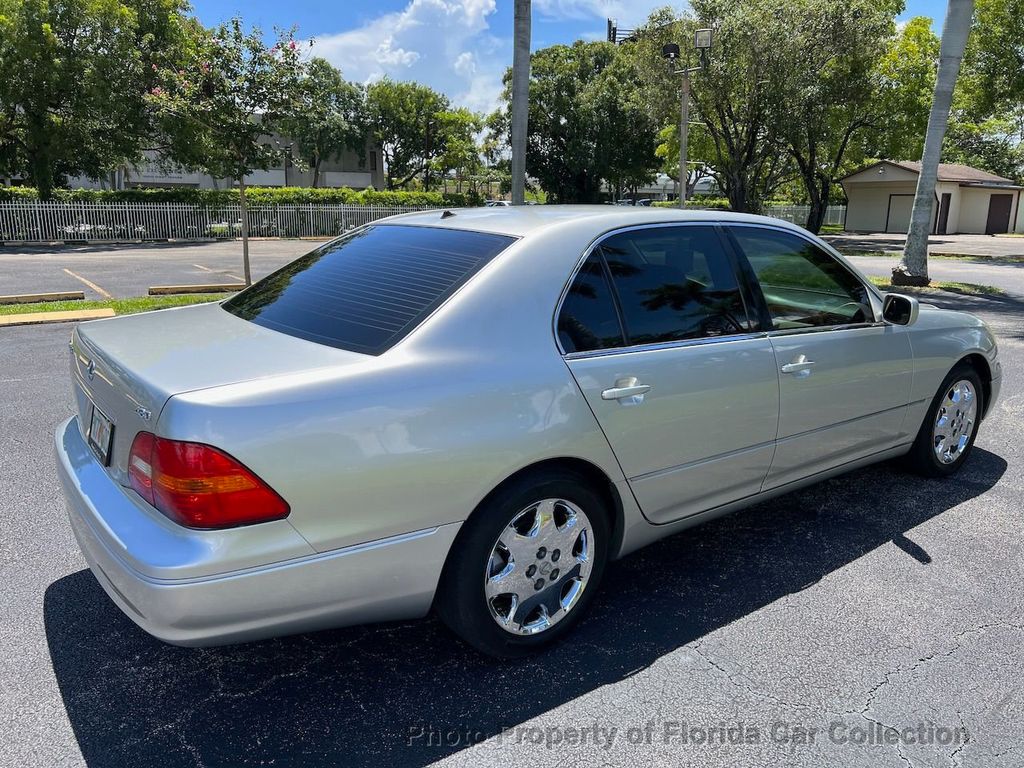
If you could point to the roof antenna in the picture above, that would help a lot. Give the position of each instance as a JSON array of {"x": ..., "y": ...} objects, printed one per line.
[{"x": 447, "y": 215}]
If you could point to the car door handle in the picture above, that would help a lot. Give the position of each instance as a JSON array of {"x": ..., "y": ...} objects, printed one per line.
[
  {"x": 629, "y": 387},
  {"x": 800, "y": 364}
]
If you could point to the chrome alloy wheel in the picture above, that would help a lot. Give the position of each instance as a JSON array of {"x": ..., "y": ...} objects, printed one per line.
[
  {"x": 955, "y": 421},
  {"x": 539, "y": 566}
]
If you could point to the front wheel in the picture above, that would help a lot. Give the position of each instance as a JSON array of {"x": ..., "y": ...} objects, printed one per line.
[
  {"x": 951, "y": 425},
  {"x": 526, "y": 565}
]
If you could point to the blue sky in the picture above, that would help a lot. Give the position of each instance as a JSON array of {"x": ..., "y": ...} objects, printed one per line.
[{"x": 460, "y": 47}]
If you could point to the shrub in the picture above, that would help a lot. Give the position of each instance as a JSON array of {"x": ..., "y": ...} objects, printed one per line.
[
  {"x": 255, "y": 195},
  {"x": 697, "y": 201}
]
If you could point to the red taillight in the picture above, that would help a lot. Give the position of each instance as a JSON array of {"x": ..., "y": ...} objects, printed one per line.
[{"x": 199, "y": 486}]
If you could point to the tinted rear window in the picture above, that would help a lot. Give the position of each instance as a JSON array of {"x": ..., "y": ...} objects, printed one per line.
[{"x": 367, "y": 290}]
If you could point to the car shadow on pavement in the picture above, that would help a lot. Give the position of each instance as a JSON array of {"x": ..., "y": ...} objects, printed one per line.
[
  {"x": 1003, "y": 313},
  {"x": 410, "y": 693}
]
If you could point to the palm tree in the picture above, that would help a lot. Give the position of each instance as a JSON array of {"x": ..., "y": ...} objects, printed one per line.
[
  {"x": 913, "y": 269},
  {"x": 520, "y": 99}
]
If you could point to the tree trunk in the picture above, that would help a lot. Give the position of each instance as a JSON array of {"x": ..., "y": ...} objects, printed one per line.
[
  {"x": 244, "y": 215},
  {"x": 913, "y": 269},
  {"x": 316, "y": 172},
  {"x": 520, "y": 99},
  {"x": 817, "y": 196},
  {"x": 42, "y": 176}
]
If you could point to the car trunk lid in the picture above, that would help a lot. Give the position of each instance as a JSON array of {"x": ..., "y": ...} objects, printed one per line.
[{"x": 127, "y": 368}]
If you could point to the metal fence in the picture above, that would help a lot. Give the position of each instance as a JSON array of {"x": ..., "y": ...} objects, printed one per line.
[
  {"x": 835, "y": 215},
  {"x": 28, "y": 221}
]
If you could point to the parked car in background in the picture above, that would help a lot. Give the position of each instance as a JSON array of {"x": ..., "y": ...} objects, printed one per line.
[
  {"x": 497, "y": 203},
  {"x": 475, "y": 411}
]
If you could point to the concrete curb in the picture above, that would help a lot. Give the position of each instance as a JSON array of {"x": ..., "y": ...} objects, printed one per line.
[
  {"x": 40, "y": 318},
  {"x": 170, "y": 290},
  {"x": 32, "y": 298}
]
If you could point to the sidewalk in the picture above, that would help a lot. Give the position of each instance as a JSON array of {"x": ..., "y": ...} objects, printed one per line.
[{"x": 982, "y": 246}]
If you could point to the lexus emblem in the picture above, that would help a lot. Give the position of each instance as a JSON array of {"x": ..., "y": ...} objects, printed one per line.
[{"x": 90, "y": 369}]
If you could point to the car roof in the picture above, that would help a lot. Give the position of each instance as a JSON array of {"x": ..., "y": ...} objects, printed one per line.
[{"x": 521, "y": 220}]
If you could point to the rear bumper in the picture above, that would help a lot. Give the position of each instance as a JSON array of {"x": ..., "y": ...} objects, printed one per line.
[{"x": 382, "y": 580}]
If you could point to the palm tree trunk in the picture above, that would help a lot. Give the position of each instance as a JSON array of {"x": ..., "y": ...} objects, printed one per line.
[
  {"x": 520, "y": 99},
  {"x": 913, "y": 269}
]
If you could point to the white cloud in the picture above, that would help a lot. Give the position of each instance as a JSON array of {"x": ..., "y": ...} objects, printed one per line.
[
  {"x": 465, "y": 64},
  {"x": 430, "y": 41}
]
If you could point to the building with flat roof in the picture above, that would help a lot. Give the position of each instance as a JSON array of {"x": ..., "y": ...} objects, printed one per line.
[{"x": 346, "y": 170}]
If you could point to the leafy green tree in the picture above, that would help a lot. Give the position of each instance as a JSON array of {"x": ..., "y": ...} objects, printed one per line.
[
  {"x": 995, "y": 53},
  {"x": 905, "y": 81},
  {"x": 698, "y": 148},
  {"x": 585, "y": 124},
  {"x": 73, "y": 78},
  {"x": 735, "y": 98},
  {"x": 332, "y": 118},
  {"x": 626, "y": 135},
  {"x": 407, "y": 121},
  {"x": 461, "y": 154},
  {"x": 986, "y": 127},
  {"x": 218, "y": 109},
  {"x": 831, "y": 49}
]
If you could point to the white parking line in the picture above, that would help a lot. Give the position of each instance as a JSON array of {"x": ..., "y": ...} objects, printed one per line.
[
  {"x": 228, "y": 274},
  {"x": 91, "y": 284}
]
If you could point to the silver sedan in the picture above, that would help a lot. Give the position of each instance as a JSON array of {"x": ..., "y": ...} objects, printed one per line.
[{"x": 473, "y": 411}]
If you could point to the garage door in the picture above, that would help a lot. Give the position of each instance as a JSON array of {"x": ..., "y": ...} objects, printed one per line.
[{"x": 898, "y": 218}]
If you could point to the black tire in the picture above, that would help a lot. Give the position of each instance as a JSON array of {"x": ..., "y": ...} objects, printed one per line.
[
  {"x": 461, "y": 601},
  {"x": 923, "y": 458}
]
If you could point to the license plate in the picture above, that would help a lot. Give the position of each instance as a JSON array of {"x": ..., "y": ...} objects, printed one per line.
[{"x": 101, "y": 434}]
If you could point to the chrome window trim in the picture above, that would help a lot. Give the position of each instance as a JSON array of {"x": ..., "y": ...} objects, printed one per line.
[
  {"x": 821, "y": 328},
  {"x": 660, "y": 345},
  {"x": 837, "y": 257},
  {"x": 589, "y": 250}
]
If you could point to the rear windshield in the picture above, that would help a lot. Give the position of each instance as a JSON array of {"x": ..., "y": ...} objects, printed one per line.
[{"x": 365, "y": 291}]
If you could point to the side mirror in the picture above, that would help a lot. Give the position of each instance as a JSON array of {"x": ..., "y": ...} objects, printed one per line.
[{"x": 899, "y": 309}]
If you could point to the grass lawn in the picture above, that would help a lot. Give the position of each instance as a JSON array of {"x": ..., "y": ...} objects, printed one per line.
[
  {"x": 831, "y": 229},
  {"x": 120, "y": 306},
  {"x": 968, "y": 289}
]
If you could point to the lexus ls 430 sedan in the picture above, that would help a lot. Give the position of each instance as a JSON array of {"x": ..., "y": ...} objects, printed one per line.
[{"x": 473, "y": 411}]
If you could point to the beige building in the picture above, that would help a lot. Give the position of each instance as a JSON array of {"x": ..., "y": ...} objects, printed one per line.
[
  {"x": 346, "y": 170},
  {"x": 968, "y": 201}
]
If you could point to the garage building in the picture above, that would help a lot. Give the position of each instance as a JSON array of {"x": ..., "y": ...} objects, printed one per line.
[{"x": 968, "y": 200}]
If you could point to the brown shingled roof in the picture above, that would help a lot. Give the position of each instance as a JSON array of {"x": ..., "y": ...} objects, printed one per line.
[{"x": 954, "y": 172}]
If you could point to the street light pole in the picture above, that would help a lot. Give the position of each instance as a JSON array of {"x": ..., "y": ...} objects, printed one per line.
[
  {"x": 670, "y": 51},
  {"x": 684, "y": 137}
]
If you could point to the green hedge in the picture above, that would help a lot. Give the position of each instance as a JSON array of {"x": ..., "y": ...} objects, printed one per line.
[
  {"x": 255, "y": 195},
  {"x": 699, "y": 201}
]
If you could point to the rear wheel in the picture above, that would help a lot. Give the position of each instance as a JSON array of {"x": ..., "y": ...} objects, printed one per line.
[
  {"x": 948, "y": 432},
  {"x": 526, "y": 565}
]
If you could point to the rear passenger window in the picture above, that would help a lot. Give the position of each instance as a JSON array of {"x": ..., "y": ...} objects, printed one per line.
[
  {"x": 803, "y": 286},
  {"x": 674, "y": 283},
  {"x": 588, "y": 319}
]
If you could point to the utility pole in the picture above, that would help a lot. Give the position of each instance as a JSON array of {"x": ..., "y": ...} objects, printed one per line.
[{"x": 520, "y": 99}]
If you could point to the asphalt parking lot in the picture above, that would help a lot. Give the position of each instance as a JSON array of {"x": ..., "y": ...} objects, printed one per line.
[
  {"x": 120, "y": 271},
  {"x": 795, "y": 627},
  {"x": 103, "y": 271}
]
